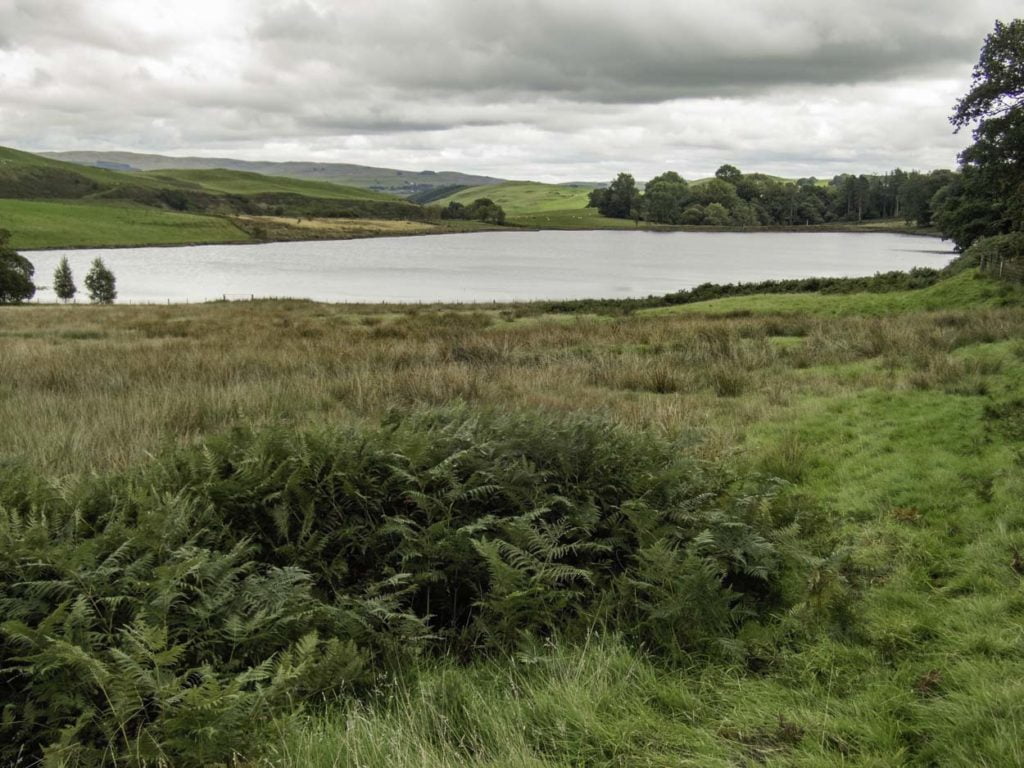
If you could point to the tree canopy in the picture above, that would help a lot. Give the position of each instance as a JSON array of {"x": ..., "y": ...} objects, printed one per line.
[
  {"x": 16, "y": 273},
  {"x": 989, "y": 198}
]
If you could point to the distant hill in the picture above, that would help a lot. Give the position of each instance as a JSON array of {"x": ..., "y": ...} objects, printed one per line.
[
  {"x": 247, "y": 183},
  {"x": 523, "y": 197},
  {"x": 387, "y": 180}
]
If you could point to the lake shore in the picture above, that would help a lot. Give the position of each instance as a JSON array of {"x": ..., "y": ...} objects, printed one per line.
[{"x": 277, "y": 229}]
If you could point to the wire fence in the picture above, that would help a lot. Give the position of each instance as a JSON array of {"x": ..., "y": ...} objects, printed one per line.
[
  {"x": 148, "y": 302},
  {"x": 1002, "y": 259}
]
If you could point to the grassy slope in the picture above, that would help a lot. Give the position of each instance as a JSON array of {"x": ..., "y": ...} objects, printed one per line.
[
  {"x": 14, "y": 162},
  {"x": 963, "y": 290},
  {"x": 245, "y": 183},
  {"x": 68, "y": 224},
  {"x": 53, "y": 204},
  {"x": 902, "y": 430},
  {"x": 519, "y": 197}
]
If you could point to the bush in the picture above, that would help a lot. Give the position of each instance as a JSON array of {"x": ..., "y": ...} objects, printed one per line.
[{"x": 160, "y": 614}]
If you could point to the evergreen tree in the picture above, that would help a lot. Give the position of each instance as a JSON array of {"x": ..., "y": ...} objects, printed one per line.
[
  {"x": 101, "y": 283},
  {"x": 63, "y": 282}
]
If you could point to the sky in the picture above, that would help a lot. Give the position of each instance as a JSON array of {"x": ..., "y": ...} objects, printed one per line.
[{"x": 552, "y": 90}]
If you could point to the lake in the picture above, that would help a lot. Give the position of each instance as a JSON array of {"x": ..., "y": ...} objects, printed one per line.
[{"x": 491, "y": 266}]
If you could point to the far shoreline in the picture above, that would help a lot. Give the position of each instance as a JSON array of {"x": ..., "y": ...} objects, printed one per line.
[{"x": 832, "y": 228}]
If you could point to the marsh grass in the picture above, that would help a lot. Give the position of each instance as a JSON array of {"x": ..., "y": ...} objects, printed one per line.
[{"x": 100, "y": 387}]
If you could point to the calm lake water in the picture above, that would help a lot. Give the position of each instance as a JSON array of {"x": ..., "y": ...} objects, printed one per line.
[{"x": 491, "y": 266}]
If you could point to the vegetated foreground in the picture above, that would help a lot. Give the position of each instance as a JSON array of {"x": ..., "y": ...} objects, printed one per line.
[{"x": 347, "y": 569}]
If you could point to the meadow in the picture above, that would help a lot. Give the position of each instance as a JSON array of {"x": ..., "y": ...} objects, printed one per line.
[
  {"x": 886, "y": 629},
  {"x": 520, "y": 197},
  {"x": 73, "y": 223}
]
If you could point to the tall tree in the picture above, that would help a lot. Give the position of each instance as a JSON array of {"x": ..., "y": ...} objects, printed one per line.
[
  {"x": 16, "y": 273},
  {"x": 621, "y": 198},
  {"x": 994, "y": 105},
  {"x": 101, "y": 283},
  {"x": 63, "y": 282},
  {"x": 665, "y": 196}
]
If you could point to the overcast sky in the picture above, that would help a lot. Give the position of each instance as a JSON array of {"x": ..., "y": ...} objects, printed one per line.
[{"x": 555, "y": 90}]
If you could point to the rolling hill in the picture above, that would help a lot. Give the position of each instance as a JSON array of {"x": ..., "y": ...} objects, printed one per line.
[
  {"x": 525, "y": 197},
  {"x": 388, "y": 180},
  {"x": 50, "y": 203},
  {"x": 248, "y": 183}
]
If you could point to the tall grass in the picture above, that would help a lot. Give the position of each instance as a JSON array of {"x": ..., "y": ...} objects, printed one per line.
[{"x": 92, "y": 388}]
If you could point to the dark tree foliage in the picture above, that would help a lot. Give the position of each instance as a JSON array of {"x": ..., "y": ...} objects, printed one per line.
[
  {"x": 101, "y": 284},
  {"x": 665, "y": 197},
  {"x": 734, "y": 198},
  {"x": 729, "y": 173},
  {"x": 917, "y": 192},
  {"x": 481, "y": 209},
  {"x": 619, "y": 199},
  {"x": 993, "y": 185},
  {"x": 16, "y": 273}
]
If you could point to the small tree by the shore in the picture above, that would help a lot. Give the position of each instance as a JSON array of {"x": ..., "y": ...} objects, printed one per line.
[
  {"x": 16, "y": 273},
  {"x": 101, "y": 283},
  {"x": 63, "y": 282}
]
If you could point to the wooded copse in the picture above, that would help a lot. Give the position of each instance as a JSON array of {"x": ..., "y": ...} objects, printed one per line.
[
  {"x": 482, "y": 209},
  {"x": 734, "y": 198}
]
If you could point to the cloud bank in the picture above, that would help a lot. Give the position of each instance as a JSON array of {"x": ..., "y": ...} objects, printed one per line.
[{"x": 550, "y": 89}]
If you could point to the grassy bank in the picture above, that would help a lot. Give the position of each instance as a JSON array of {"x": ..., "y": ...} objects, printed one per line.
[{"x": 894, "y": 420}]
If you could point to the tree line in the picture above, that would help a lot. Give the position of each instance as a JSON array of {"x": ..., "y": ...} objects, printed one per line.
[
  {"x": 983, "y": 198},
  {"x": 734, "y": 198},
  {"x": 17, "y": 278}
]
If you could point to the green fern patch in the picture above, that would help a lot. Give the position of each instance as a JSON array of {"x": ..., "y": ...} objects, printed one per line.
[{"x": 165, "y": 614}]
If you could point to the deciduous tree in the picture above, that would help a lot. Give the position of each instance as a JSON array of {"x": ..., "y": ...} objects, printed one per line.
[
  {"x": 16, "y": 273},
  {"x": 101, "y": 284}
]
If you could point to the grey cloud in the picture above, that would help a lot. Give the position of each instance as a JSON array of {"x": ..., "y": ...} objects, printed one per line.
[
  {"x": 47, "y": 24},
  {"x": 545, "y": 88},
  {"x": 646, "y": 51}
]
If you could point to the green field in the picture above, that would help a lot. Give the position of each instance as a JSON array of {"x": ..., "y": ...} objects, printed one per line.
[
  {"x": 522, "y": 197},
  {"x": 893, "y": 422},
  {"x": 244, "y": 183},
  {"x": 69, "y": 224},
  {"x": 576, "y": 218}
]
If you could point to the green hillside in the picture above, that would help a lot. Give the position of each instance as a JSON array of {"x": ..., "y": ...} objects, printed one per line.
[
  {"x": 523, "y": 197},
  {"x": 246, "y": 183},
  {"x": 394, "y": 181},
  {"x": 73, "y": 223},
  {"x": 48, "y": 203},
  {"x": 25, "y": 175}
]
